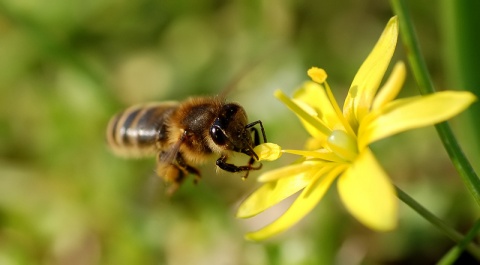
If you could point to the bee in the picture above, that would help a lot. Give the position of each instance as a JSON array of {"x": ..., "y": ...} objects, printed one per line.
[{"x": 184, "y": 134}]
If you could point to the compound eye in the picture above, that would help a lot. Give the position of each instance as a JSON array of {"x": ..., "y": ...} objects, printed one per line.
[{"x": 217, "y": 135}]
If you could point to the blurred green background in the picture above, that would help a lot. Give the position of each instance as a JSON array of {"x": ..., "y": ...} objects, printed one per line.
[{"x": 66, "y": 67}]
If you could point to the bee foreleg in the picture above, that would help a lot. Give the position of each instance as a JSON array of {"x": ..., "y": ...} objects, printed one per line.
[
  {"x": 222, "y": 163},
  {"x": 257, "y": 137}
]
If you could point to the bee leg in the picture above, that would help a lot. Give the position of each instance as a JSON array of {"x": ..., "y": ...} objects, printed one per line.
[
  {"x": 257, "y": 137},
  {"x": 187, "y": 168},
  {"x": 222, "y": 163},
  {"x": 174, "y": 176},
  {"x": 250, "y": 163}
]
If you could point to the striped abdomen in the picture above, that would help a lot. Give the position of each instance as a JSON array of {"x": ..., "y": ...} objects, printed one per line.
[{"x": 140, "y": 130}]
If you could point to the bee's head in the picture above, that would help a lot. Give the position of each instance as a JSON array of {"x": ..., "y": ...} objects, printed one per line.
[{"x": 229, "y": 130}]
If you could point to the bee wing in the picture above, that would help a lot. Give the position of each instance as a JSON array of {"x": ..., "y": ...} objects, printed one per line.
[{"x": 168, "y": 157}]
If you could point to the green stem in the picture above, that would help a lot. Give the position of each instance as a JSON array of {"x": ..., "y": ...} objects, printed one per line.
[
  {"x": 426, "y": 86},
  {"x": 460, "y": 22},
  {"x": 455, "y": 252},
  {"x": 438, "y": 223}
]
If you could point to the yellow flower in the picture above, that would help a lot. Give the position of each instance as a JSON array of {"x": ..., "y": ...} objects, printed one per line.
[{"x": 338, "y": 148}]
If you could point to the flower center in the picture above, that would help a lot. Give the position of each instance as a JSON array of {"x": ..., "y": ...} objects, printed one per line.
[{"x": 343, "y": 145}]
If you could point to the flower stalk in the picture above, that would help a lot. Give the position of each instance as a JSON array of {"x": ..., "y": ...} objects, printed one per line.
[
  {"x": 437, "y": 222},
  {"x": 455, "y": 252},
  {"x": 419, "y": 69},
  {"x": 459, "y": 26}
]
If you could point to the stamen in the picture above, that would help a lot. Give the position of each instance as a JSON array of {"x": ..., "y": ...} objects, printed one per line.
[
  {"x": 317, "y": 74},
  {"x": 268, "y": 151},
  {"x": 318, "y": 124},
  {"x": 339, "y": 113}
]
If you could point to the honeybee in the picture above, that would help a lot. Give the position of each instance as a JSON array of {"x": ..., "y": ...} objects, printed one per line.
[{"x": 184, "y": 134}]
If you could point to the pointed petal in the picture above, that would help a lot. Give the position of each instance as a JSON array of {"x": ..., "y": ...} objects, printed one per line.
[
  {"x": 368, "y": 194},
  {"x": 272, "y": 193},
  {"x": 391, "y": 88},
  {"x": 322, "y": 154},
  {"x": 368, "y": 78},
  {"x": 410, "y": 113},
  {"x": 285, "y": 172},
  {"x": 305, "y": 202}
]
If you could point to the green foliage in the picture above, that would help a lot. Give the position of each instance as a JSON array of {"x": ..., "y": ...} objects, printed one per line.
[{"x": 67, "y": 66}]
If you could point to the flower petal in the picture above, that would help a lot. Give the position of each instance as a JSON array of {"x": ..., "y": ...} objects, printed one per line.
[
  {"x": 285, "y": 172},
  {"x": 368, "y": 78},
  {"x": 392, "y": 87},
  {"x": 368, "y": 194},
  {"x": 410, "y": 113},
  {"x": 272, "y": 193},
  {"x": 305, "y": 202},
  {"x": 322, "y": 154}
]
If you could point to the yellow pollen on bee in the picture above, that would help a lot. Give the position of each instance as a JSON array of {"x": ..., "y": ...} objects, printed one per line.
[{"x": 343, "y": 145}]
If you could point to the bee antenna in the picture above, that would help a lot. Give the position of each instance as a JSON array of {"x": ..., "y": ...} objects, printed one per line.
[
  {"x": 243, "y": 72},
  {"x": 236, "y": 79}
]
